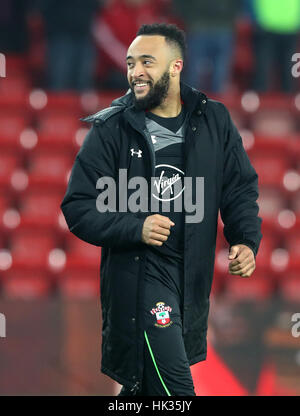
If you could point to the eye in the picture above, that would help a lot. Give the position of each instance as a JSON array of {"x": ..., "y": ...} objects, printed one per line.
[
  {"x": 129, "y": 64},
  {"x": 147, "y": 62}
]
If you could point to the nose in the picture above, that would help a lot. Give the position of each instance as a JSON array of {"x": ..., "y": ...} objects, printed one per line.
[{"x": 137, "y": 71}]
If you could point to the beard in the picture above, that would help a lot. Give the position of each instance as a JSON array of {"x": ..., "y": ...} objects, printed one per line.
[{"x": 156, "y": 95}]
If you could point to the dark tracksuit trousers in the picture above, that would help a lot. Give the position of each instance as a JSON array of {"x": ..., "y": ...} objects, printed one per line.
[{"x": 166, "y": 367}]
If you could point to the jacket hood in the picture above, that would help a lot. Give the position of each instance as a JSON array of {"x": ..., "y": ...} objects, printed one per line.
[{"x": 192, "y": 99}]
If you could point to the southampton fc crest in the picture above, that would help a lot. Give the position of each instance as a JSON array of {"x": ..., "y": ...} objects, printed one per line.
[{"x": 162, "y": 313}]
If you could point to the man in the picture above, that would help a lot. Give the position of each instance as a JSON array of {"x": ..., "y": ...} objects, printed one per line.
[
  {"x": 210, "y": 37},
  {"x": 158, "y": 241},
  {"x": 70, "y": 50}
]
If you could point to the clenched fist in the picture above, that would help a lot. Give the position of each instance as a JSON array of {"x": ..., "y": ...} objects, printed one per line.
[
  {"x": 156, "y": 229},
  {"x": 244, "y": 261}
]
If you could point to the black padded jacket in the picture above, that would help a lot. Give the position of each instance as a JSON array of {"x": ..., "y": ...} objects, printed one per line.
[{"x": 213, "y": 151}]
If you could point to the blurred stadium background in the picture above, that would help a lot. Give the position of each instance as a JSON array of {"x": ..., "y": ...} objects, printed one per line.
[{"x": 49, "y": 280}]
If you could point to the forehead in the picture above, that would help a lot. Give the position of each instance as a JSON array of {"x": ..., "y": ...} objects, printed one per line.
[{"x": 148, "y": 45}]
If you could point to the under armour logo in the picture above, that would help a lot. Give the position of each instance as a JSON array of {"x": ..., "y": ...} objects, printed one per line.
[
  {"x": 153, "y": 139},
  {"x": 138, "y": 152}
]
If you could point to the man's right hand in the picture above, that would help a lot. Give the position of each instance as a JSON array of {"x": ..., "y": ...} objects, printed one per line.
[{"x": 156, "y": 229}]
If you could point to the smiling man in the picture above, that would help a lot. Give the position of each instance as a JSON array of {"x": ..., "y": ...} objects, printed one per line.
[
  {"x": 157, "y": 264},
  {"x": 149, "y": 73}
]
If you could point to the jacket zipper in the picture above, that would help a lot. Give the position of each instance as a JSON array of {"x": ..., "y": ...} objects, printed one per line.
[
  {"x": 151, "y": 151},
  {"x": 147, "y": 137}
]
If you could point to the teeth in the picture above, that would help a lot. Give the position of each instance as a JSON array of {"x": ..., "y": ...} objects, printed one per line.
[{"x": 141, "y": 84}]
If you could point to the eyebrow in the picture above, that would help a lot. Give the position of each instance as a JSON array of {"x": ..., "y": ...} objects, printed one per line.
[{"x": 142, "y": 56}]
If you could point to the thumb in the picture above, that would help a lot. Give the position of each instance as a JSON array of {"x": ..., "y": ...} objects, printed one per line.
[{"x": 233, "y": 252}]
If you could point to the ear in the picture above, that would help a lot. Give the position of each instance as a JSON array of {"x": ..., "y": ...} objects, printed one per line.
[{"x": 176, "y": 67}]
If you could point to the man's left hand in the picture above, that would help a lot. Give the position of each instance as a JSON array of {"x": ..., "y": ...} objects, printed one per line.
[{"x": 243, "y": 260}]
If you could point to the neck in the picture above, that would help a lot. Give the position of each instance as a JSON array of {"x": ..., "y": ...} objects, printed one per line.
[{"x": 171, "y": 106}]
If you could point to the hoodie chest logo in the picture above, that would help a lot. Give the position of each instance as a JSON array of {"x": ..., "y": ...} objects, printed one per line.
[{"x": 136, "y": 152}]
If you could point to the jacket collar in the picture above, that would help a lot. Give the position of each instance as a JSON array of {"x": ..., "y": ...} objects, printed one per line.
[{"x": 193, "y": 99}]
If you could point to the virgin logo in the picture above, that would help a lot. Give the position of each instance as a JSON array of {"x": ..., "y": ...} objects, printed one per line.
[{"x": 167, "y": 185}]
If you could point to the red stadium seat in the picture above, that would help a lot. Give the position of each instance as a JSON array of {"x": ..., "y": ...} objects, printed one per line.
[
  {"x": 11, "y": 127},
  {"x": 30, "y": 248},
  {"x": 271, "y": 202},
  {"x": 68, "y": 102},
  {"x": 263, "y": 144},
  {"x": 276, "y": 102},
  {"x": 5, "y": 204},
  {"x": 5, "y": 200},
  {"x": 81, "y": 254},
  {"x": 49, "y": 169},
  {"x": 14, "y": 91},
  {"x": 294, "y": 148},
  {"x": 258, "y": 287},
  {"x": 57, "y": 130},
  {"x": 272, "y": 122},
  {"x": 295, "y": 231},
  {"x": 80, "y": 283},
  {"x": 2, "y": 241},
  {"x": 26, "y": 284},
  {"x": 17, "y": 66},
  {"x": 289, "y": 287},
  {"x": 40, "y": 208},
  {"x": 270, "y": 169},
  {"x": 295, "y": 202},
  {"x": 292, "y": 243},
  {"x": 8, "y": 164}
]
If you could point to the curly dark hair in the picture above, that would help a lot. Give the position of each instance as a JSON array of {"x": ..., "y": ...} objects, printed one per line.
[{"x": 173, "y": 35}]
